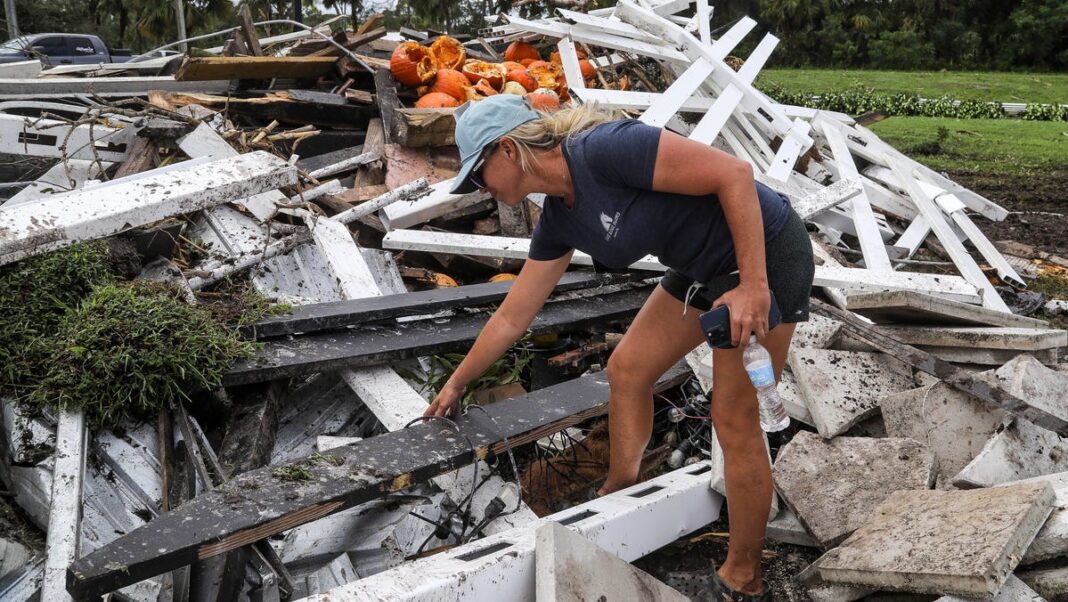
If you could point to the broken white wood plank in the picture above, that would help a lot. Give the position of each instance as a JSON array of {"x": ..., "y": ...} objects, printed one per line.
[
  {"x": 64, "y": 520},
  {"x": 756, "y": 60},
  {"x": 682, "y": 88},
  {"x": 831, "y": 196},
  {"x": 58, "y": 179},
  {"x": 346, "y": 165},
  {"x": 914, "y": 307},
  {"x": 53, "y": 138},
  {"x": 853, "y": 279},
  {"x": 703, "y": 16},
  {"x": 964, "y": 262},
  {"x": 601, "y": 25},
  {"x": 61, "y": 220},
  {"x": 629, "y": 523},
  {"x": 659, "y": 51},
  {"x": 14, "y": 89},
  {"x": 864, "y": 143},
  {"x": 204, "y": 141},
  {"x": 436, "y": 204},
  {"x": 713, "y": 121},
  {"x": 570, "y": 568},
  {"x": 979, "y": 337},
  {"x": 1005, "y": 271},
  {"x": 871, "y": 242},
  {"x": 570, "y": 62}
]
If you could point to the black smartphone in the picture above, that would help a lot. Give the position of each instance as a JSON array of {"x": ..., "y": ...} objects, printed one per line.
[{"x": 716, "y": 324}]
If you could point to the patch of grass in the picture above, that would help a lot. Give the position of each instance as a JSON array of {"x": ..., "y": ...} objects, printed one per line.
[
  {"x": 1056, "y": 288},
  {"x": 1007, "y": 146},
  {"x": 964, "y": 85},
  {"x": 300, "y": 472},
  {"x": 34, "y": 296},
  {"x": 130, "y": 349}
]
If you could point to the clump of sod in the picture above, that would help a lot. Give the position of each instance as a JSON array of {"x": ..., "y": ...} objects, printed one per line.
[
  {"x": 34, "y": 295},
  {"x": 130, "y": 349}
]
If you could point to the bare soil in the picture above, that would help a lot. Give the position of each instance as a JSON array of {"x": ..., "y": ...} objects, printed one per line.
[{"x": 1039, "y": 205}]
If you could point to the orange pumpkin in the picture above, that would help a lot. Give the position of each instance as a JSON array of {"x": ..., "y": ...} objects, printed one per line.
[
  {"x": 511, "y": 66},
  {"x": 561, "y": 88},
  {"x": 545, "y": 73},
  {"x": 448, "y": 51},
  {"x": 451, "y": 82},
  {"x": 526, "y": 62},
  {"x": 524, "y": 78},
  {"x": 588, "y": 70},
  {"x": 544, "y": 100},
  {"x": 491, "y": 72},
  {"x": 412, "y": 64},
  {"x": 436, "y": 100},
  {"x": 517, "y": 51},
  {"x": 484, "y": 88}
]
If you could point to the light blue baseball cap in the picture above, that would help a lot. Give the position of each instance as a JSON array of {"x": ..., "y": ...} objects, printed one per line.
[{"x": 479, "y": 124}]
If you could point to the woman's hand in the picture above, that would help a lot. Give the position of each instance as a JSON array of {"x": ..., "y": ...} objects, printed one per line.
[
  {"x": 749, "y": 304},
  {"x": 447, "y": 402}
]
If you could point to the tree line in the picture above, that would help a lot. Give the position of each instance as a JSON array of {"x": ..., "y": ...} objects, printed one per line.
[{"x": 884, "y": 34}]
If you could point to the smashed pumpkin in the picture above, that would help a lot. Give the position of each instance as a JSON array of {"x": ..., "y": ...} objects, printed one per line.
[
  {"x": 523, "y": 78},
  {"x": 451, "y": 82},
  {"x": 436, "y": 100},
  {"x": 448, "y": 52},
  {"x": 544, "y": 100},
  {"x": 412, "y": 64},
  {"x": 517, "y": 51},
  {"x": 491, "y": 72}
]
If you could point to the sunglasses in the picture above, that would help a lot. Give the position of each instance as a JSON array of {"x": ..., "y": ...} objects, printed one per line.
[{"x": 476, "y": 171}]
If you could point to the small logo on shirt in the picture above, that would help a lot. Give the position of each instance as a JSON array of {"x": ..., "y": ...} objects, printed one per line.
[{"x": 610, "y": 224}]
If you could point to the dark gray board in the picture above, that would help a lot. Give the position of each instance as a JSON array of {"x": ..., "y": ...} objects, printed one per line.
[
  {"x": 258, "y": 504},
  {"x": 376, "y": 344},
  {"x": 335, "y": 315}
]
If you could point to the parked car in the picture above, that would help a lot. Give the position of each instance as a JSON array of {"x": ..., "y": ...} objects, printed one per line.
[{"x": 61, "y": 49}]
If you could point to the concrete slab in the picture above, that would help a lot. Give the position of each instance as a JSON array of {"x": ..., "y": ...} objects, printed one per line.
[
  {"x": 977, "y": 337},
  {"x": 792, "y": 399},
  {"x": 953, "y": 425},
  {"x": 818, "y": 332},
  {"x": 986, "y": 357},
  {"x": 821, "y": 591},
  {"x": 13, "y": 556},
  {"x": 1031, "y": 381},
  {"x": 842, "y": 388},
  {"x": 786, "y": 528},
  {"x": 1052, "y": 539},
  {"x": 833, "y": 486},
  {"x": 1015, "y": 451},
  {"x": 963, "y": 543},
  {"x": 571, "y": 568},
  {"x": 1050, "y": 583},
  {"x": 914, "y": 307},
  {"x": 872, "y": 426},
  {"x": 1014, "y": 590}
]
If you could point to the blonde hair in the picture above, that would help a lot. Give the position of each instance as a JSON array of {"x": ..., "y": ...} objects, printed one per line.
[{"x": 551, "y": 129}]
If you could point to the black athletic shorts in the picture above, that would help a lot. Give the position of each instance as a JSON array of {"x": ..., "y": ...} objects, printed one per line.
[{"x": 790, "y": 269}]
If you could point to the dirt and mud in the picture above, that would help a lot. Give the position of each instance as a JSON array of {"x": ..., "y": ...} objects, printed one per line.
[{"x": 1039, "y": 206}]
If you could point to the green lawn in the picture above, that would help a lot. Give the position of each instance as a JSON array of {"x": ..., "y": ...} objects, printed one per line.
[
  {"x": 962, "y": 85},
  {"x": 994, "y": 145}
]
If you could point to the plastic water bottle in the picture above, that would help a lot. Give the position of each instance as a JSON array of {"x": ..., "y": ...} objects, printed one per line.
[{"x": 757, "y": 362}]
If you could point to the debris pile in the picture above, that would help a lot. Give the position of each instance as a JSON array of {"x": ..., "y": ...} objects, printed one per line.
[{"x": 311, "y": 170}]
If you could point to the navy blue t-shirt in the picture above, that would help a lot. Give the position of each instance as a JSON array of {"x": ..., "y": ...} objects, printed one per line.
[{"x": 617, "y": 218}]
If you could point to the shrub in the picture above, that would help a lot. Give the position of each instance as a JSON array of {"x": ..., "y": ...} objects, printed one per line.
[{"x": 130, "y": 349}]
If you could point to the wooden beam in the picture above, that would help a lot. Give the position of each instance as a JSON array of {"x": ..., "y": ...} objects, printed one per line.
[
  {"x": 424, "y": 127},
  {"x": 351, "y": 42},
  {"x": 253, "y": 67},
  {"x": 388, "y": 102},
  {"x": 248, "y": 31},
  {"x": 264, "y": 502},
  {"x": 374, "y": 345},
  {"x": 341, "y": 314}
]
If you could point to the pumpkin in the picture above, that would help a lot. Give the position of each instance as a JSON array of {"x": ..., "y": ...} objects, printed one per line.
[
  {"x": 412, "y": 64},
  {"x": 526, "y": 62},
  {"x": 561, "y": 88},
  {"x": 544, "y": 100},
  {"x": 492, "y": 72},
  {"x": 510, "y": 65},
  {"x": 514, "y": 88},
  {"x": 503, "y": 277},
  {"x": 517, "y": 51},
  {"x": 484, "y": 88},
  {"x": 436, "y": 100},
  {"x": 587, "y": 68},
  {"x": 448, "y": 52},
  {"x": 523, "y": 78},
  {"x": 545, "y": 73},
  {"x": 451, "y": 82}
]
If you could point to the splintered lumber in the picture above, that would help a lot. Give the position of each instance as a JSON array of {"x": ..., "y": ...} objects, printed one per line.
[
  {"x": 61, "y": 220},
  {"x": 267, "y": 501},
  {"x": 958, "y": 378},
  {"x": 378, "y": 344},
  {"x": 424, "y": 127},
  {"x": 340, "y": 314},
  {"x": 208, "y": 68},
  {"x": 64, "y": 520}
]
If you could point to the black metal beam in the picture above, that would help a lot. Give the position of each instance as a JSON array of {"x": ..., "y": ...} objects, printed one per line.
[
  {"x": 336, "y": 315},
  {"x": 371, "y": 345},
  {"x": 267, "y": 501}
]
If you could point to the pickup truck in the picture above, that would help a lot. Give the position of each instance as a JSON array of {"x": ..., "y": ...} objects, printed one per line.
[{"x": 60, "y": 49}]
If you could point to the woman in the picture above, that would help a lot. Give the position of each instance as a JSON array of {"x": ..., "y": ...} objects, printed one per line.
[{"x": 619, "y": 190}]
